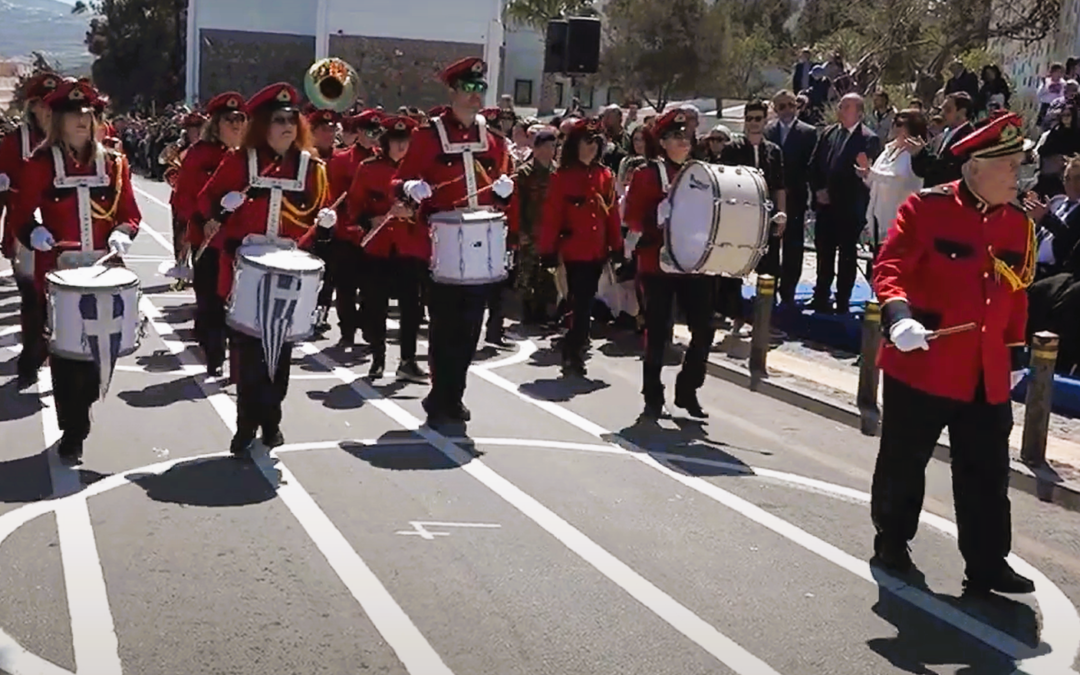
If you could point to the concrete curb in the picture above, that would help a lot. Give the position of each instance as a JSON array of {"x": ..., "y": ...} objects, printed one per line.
[{"x": 1043, "y": 484}]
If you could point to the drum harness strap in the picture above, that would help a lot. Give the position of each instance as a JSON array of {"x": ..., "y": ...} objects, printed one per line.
[
  {"x": 82, "y": 185},
  {"x": 277, "y": 187},
  {"x": 468, "y": 162}
]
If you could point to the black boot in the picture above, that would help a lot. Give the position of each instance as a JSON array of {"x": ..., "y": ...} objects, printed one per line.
[
  {"x": 378, "y": 366},
  {"x": 272, "y": 436},
  {"x": 654, "y": 402},
  {"x": 892, "y": 555},
  {"x": 686, "y": 399},
  {"x": 70, "y": 448},
  {"x": 241, "y": 442},
  {"x": 1004, "y": 580}
]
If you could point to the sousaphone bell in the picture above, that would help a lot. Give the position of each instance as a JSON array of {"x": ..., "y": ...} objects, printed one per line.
[{"x": 331, "y": 84}]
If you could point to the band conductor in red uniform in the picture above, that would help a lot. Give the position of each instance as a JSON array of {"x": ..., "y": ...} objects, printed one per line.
[{"x": 960, "y": 254}]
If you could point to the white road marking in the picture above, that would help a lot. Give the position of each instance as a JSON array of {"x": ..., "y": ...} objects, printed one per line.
[
  {"x": 1052, "y": 602},
  {"x": 641, "y": 589},
  {"x": 420, "y": 528},
  {"x": 7, "y": 273},
  {"x": 412, "y": 649},
  {"x": 93, "y": 633}
]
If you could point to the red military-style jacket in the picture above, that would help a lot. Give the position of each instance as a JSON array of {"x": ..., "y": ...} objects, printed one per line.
[
  {"x": 642, "y": 197},
  {"x": 114, "y": 206},
  {"x": 445, "y": 173},
  {"x": 580, "y": 219},
  {"x": 15, "y": 151},
  {"x": 370, "y": 197},
  {"x": 341, "y": 169},
  {"x": 298, "y": 212},
  {"x": 937, "y": 265},
  {"x": 198, "y": 166}
]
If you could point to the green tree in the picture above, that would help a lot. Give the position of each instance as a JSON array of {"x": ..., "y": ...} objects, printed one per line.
[
  {"x": 139, "y": 48},
  {"x": 536, "y": 14}
]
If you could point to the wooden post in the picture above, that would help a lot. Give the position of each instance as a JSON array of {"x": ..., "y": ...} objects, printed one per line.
[
  {"x": 867, "y": 397},
  {"x": 1040, "y": 394},
  {"x": 762, "y": 329}
]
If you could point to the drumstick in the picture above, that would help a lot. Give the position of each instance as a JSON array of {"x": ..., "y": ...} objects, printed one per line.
[
  {"x": 962, "y": 328},
  {"x": 206, "y": 242},
  {"x": 104, "y": 259},
  {"x": 374, "y": 231}
]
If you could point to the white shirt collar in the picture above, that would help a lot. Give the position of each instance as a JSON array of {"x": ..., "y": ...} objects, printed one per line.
[{"x": 853, "y": 127}]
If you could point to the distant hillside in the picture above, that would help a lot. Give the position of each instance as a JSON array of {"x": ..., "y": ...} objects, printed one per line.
[{"x": 47, "y": 26}]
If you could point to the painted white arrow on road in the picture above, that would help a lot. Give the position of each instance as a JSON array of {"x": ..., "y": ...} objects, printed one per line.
[{"x": 420, "y": 528}]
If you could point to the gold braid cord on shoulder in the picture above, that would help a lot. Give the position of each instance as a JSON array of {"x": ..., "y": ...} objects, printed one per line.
[
  {"x": 118, "y": 181},
  {"x": 1026, "y": 276},
  {"x": 302, "y": 218}
]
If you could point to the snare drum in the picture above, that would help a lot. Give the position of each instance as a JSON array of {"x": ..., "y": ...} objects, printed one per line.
[
  {"x": 719, "y": 221},
  {"x": 468, "y": 247},
  {"x": 93, "y": 302},
  {"x": 275, "y": 281}
]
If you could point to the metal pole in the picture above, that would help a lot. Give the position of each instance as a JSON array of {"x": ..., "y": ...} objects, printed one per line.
[
  {"x": 759, "y": 339},
  {"x": 1040, "y": 394},
  {"x": 867, "y": 397}
]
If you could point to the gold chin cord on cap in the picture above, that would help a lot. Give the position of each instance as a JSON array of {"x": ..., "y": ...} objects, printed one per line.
[{"x": 1022, "y": 280}]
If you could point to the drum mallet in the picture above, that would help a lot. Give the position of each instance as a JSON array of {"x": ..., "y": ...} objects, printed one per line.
[
  {"x": 104, "y": 259},
  {"x": 952, "y": 330}
]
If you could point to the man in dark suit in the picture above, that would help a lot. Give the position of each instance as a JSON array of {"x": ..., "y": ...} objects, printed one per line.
[
  {"x": 800, "y": 77},
  {"x": 842, "y": 198},
  {"x": 936, "y": 164},
  {"x": 796, "y": 140}
]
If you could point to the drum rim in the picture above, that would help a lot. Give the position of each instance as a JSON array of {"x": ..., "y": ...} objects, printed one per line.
[
  {"x": 266, "y": 268},
  {"x": 51, "y": 279}
]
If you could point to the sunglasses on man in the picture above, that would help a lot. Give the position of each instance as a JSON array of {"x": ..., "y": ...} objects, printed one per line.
[{"x": 473, "y": 87}]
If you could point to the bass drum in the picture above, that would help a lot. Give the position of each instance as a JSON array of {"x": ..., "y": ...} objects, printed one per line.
[{"x": 719, "y": 221}]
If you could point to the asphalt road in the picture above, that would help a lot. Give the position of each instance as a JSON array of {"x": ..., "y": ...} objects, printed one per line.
[{"x": 553, "y": 536}]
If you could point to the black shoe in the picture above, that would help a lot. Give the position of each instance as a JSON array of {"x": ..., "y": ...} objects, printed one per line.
[
  {"x": 27, "y": 379},
  {"x": 241, "y": 443},
  {"x": 497, "y": 341},
  {"x": 215, "y": 369},
  {"x": 654, "y": 409},
  {"x": 410, "y": 371},
  {"x": 574, "y": 368},
  {"x": 347, "y": 341},
  {"x": 70, "y": 448},
  {"x": 272, "y": 437},
  {"x": 435, "y": 413},
  {"x": 892, "y": 556},
  {"x": 688, "y": 401},
  {"x": 1006, "y": 580},
  {"x": 459, "y": 413},
  {"x": 378, "y": 366}
]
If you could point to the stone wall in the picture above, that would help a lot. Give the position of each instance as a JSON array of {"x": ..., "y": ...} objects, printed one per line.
[
  {"x": 396, "y": 71},
  {"x": 246, "y": 61}
]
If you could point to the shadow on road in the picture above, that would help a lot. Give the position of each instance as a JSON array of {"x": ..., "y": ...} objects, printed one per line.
[
  {"x": 395, "y": 452},
  {"x": 675, "y": 447},
  {"x": 214, "y": 482},
  {"x": 561, "y": 389},
  {"x": 25, "y": 479},
  {"x": 15, "y": 404},
  {"x": 164, "y": 393}
]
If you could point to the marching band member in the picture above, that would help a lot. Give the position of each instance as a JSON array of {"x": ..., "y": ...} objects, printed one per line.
[
  {"x": 535, "y": 285},
  {"x": 173, "y": 155},
  {"x": 581, "y": 223},
  {"x": 959, "y": 253},
  {"x": 396, "y": 258},
  {"x": 51, "y": 182},
  {"x": 342, "y": 167},
  {"x": 223, "y": 132},
  {"x": 16, "y": 148},
  {"x": 276, "y": 151},
  {"x": 647, "y": 209},
  {"x": 324, "y": 124},
  {"x": 457, "y": 151}
]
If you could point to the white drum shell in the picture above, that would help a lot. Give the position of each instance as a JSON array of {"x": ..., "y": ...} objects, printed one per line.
[
  {"x": 719, "y": 221},
  {"x": 255, "y": 262},
  {"x": 65, "y": 290},
  {"x": 468, "y": 248}
]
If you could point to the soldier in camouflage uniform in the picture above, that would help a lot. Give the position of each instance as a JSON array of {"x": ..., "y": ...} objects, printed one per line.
[{"x": 534, "y": 284}]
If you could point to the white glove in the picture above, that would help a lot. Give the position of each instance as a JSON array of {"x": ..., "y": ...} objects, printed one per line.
[
  {"x": 663, "y": 212},
  {"x": 327, "y": 218},
  {"x": 417, "y": 190},
  {"x": 909, "y": 335},
  {"x": 5, "y": 182},
  {"x": 780, "y": 218},
  {"x": 503, "y": 186},
  {"x": 1016, "y": 377},
  {"x": 119, "y": 242},
  {"x": 41, "y": 239},
  {"x": 232, "y": 201}
]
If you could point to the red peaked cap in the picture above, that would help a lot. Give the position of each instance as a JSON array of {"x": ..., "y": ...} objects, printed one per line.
[
  {"x": 321, "y": 117},
  {"x": 470, "y": 69},
  {"x": 399, "y": 125},
  {"x": 41, "y": 85},
  {"x": 73, "y": 95},
  {"x": 368, "y": 119},
  {"x": 1002, "y": 136},
  {"x": 671, "y": 121},
  {"x": 280, "y": 96},
  {"x": 230, "y": 101}
]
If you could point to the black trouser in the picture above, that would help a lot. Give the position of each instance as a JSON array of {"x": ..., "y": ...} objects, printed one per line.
[
  {"x": 727, "y": 296},
  {"x": 258, "y": 396},
  {"x": 210, "y": 328},
  {"x": 398, "y": 276},
  {"x": 912, "y": 421},
  {"x": 326, "y": 249},
  {"x": 792, "y": 249},
  {"x": 837, "y": 231},
  {"x": 349, "y": 279},
  {"x": 457, "y": 316},
  {"x": 695, "y": 296},
  {"x": 582, "y": 282},
  {"x": 179, "y": 234},
  {"x": 495, "y": 316},
  {"x": 32, "y": 309},
  {"x": 76, "y": 386}
]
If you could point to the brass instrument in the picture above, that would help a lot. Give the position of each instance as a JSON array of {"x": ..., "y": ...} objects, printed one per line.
[
  {"x": 332, "y": 84},
  {"x": 173, "y": 155}
]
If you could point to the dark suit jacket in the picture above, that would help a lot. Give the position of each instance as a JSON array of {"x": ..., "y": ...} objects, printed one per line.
[
  {"x": 832, "y": 168},
  {"x": 936, "y": 165},
  {"x": 798, "y": 148},
  {"x": 797, "y": 76},
  {"x": 1066, "y": 235}
]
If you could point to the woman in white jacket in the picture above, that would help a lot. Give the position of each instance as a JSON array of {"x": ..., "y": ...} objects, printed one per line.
[{"x": 891, "y": 179}]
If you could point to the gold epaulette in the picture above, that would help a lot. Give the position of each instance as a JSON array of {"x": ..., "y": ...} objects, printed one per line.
[
  {"x": 944, "y": 190},
  {"x": 1023, "y": 279}
]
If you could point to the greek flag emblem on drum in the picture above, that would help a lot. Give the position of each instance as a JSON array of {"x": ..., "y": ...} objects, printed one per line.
[
  {"x": 278, "y": 294},
  {"x": 103, "y": 321}
]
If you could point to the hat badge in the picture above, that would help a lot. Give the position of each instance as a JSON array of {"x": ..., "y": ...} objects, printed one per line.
[
  {"x": 232, "y": 103},
  {"x": 76, "y": 94},
  {"x": 49, "y": 83},
  {"x": 284, "y": 96},
  {"x": 400, "y": 126},
  {"x": 478, "y": 67},
  {"x": 1009, "y": 133},
  {"x": 680, "y": 118}
]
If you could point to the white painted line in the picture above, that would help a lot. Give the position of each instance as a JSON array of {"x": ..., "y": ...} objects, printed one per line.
[
  {"x": 420, "y": 528},
  {"x": 412, "y": 649},
  {"x": 663, "y": 605},
  {"x": 1062, "y": 653},
  {"x": 152, "y": 198},
  {"x": 479, "y": 442},
  {"x": 93, "y": 634},
  {"x": 7, "y": 273}
]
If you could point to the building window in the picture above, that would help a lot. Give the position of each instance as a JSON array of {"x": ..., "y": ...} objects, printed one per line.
[
  {"x": 615, "y": 95},
  {"x": 523, "y": 92},
  {"x": 558, "y": 94},
  {"x": 585, "y": 95}
]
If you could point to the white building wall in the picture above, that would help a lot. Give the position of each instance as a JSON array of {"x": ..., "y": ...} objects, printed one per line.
[{"x": 296, "y": 17}]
